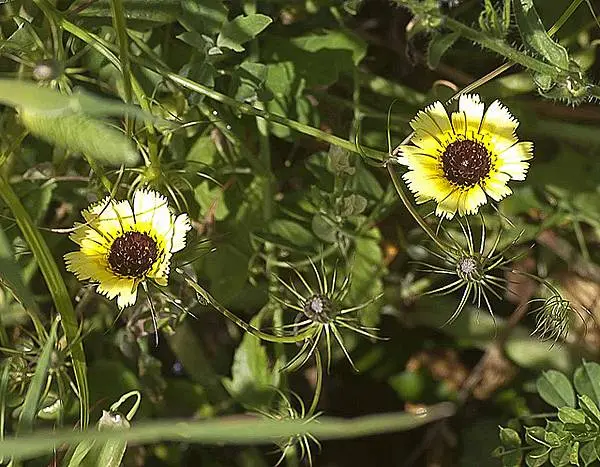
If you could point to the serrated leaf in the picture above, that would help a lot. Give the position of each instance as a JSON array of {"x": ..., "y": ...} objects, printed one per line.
[
  {"x": 241, "y": 30},
  {"x": 438, "y": 46},
  {"x": 587, "y": 381},
  {"x": 556, "y": 389},
  {"x": 571, "y": 415},
  {"x": 535, "y": 36},
  {"x": 252, "y": 376}
]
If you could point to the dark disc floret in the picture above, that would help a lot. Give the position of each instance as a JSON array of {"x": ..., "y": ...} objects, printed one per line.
[
  {"x": 319, "y": 308},
  {"x": 466, "y": 162},
  {"x": 133, "y": 254}
]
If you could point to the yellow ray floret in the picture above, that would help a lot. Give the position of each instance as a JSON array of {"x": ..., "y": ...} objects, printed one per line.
[
  {"x": 122, "y": 244},
  {"x": 462, "y": 159}
]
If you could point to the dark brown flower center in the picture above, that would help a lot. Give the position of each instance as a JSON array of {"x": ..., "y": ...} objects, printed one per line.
[
  {"x": 466, "y": 162},
  {"x": 132, "y": 254},
  {"x": 319, "y": 308}
]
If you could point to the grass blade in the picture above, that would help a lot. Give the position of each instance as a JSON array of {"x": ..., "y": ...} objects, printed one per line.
[
  {"x": 35, "y": 391},
  {"x": 250, "y": 430}
]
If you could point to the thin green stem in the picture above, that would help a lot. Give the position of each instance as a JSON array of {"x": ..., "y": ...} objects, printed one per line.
[
  {"x": 240, "y": 322},
  {"x": 58, "y": 291},
  {"x": 250, "y": 110},
  {"x": 501, "y": 48},
  {"x": 411, "y": 209},
  {"x": 318, "y": 384},
  {"x": 564, "y": 17},
  {"x": 119, "y": 23}
]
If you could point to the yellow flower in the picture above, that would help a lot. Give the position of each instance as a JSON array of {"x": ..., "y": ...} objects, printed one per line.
[
  {"x": 460, "y": 160},
  {"x": 123, "y": 244}
]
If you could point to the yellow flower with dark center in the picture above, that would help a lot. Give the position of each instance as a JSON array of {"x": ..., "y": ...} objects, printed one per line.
[
  {"x": 123, "y": 244},
  {"x": 459, "y": 161}
]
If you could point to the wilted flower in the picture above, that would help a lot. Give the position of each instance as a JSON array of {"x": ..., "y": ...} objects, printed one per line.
[
  {"x": 460, "y": 160},
  {"x": 123, "y": 244}
]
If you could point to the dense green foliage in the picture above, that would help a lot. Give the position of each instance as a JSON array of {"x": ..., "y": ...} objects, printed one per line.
[{"x": 317, "y": 314}]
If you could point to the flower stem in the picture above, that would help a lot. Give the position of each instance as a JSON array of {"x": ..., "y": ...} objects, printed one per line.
[
  {"x": 501, "y": 48},
  {"x": 411, "y": 209}
]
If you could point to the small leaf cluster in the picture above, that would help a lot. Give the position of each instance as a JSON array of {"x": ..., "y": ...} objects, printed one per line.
[{"x": 572, "y": 436}]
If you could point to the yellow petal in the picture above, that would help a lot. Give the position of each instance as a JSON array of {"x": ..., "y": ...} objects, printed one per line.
[
  {"x": 521, "y": 151},
  {"x": 472, "y": 199},
  {"x": 499, "y": 121},
  {"x": 438, "y": 114},
  {"x": 496, "y": 190},
  {"x": 472, "y": 108}
]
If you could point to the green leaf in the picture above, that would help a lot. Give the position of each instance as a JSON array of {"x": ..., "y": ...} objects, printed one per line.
[
  {"x": 556, "y": 389},
  {"x": 227, "y": 269},
  {"x": 561, "y": 455},
  {"x": 80, "y": 133},
  {"x": 571, "y": 415},
  {"x": 252, "y": 375},
  {"x": 368, "y": 270},
  {"x": 590, "y": 408},
  {"x": 587, "y": 453},
  {"x": 211, "y": 200},
  {"x": 438, "y": 46},
  {"x": 289, "y": 233},
  {"x": 323, "y": 228},
  {"x": 535, "y": 36},
  {"x": 245, "y": 430},
  {"x": 509, "y": 438},
  {"x": 36, "y": 388},
  {"x": 574, "y": 456},
  {"x": 587, "y": 381},
  {"x": 537, "y": 457},
  {"x": 334, "y": 40},
  {"x": 206, "y": 16},
  {"x": 535, "y": 435},
  {"x": 241, "y": 30},
  {"x": 150, "y": 12}
]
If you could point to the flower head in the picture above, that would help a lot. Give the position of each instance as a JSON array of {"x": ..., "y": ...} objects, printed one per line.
[
  {"x": 460, "y": 160},
  {"x": 123, "y": 244},
  {"x": 471, "y": 270},
  {"x": 321, "y": 312}
]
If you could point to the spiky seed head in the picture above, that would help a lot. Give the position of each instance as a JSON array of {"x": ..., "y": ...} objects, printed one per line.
[
  {"x": 320, "y": 308},
  {"x": 470, "y": 268}
]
